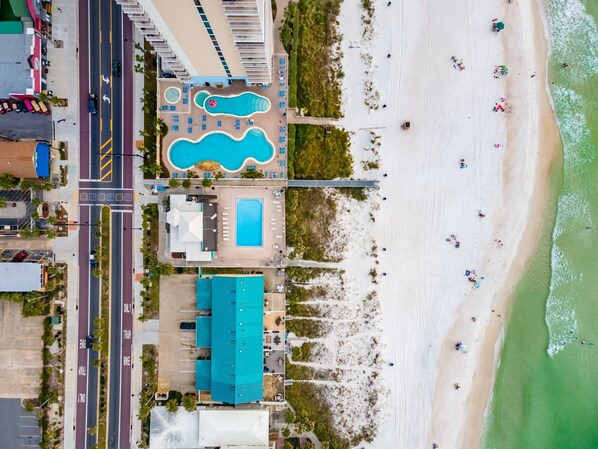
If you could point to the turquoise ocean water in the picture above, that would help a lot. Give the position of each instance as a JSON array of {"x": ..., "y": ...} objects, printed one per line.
[{"x": 546, "y": 391}]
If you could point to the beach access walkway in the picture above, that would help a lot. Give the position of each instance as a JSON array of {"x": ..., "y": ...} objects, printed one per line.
[
  {"x": 335, "y": 183},
  {"x": 296, "y": 119}
]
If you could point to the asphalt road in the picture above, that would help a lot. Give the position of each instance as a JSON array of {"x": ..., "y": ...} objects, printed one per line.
[{"x": 103, "y": 177}]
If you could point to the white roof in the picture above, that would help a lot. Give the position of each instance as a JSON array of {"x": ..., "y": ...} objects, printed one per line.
[
  {"x": 20, "y": 277},
  {"x": 238, "y": 429},
  {"x": 222, "y": 428},
  {"x": 186, "y": 228},
  {"x": 173, "y": 430}
]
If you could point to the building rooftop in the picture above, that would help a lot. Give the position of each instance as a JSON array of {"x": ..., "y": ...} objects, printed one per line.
[
  {"x": 21, "y": 277},
  {"x": 25, "y": 159},
  {"x": 235, "y": 334},
  {"x": 193, "y": 227}
]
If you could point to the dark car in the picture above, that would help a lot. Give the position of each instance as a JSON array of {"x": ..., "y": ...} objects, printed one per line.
[
  {"x": 92, "y": 259},
  {"x": 116, "y": 68},
  {"x": 92, "y": 104},
  {"x": 188, "y": 325},
  {"x": 89, "y": 341},
  {"x": 20, "y": 256}
]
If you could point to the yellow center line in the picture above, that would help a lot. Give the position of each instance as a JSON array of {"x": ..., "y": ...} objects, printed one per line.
[{"x": 106, "y": 143}]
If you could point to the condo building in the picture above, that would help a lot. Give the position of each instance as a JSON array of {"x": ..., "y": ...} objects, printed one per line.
[{"x": 208, "y": 42}]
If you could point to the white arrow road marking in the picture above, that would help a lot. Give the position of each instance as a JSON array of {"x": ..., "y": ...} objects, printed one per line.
[
  {"x": 106, "y": 99},
  {"x": 105, "y": 79}
]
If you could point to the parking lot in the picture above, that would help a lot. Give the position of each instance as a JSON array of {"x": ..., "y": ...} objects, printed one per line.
[
  {"x": 20, "y": 352},
  {"x": 22, "y": 255},
  {"x": 177, "y": 351},
  {"x": 17, "y": 213},
  {"x": 19, "y": 427},
  {"x": 26, "y": 126}
]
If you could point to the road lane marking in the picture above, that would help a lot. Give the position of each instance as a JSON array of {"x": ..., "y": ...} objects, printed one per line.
[
  {"x": 106, "y": 143},
  {"x": 108, "y": 162}
]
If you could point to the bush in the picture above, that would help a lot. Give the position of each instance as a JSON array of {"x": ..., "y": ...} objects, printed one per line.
[
  {"x": 172, "y": 406},
  {"x": 189, "y": 402},
  {"x": 206, "y": 182}
]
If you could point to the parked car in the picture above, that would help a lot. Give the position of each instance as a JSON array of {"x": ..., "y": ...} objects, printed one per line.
[
  {"x": 20, "y": 256},
  {"x": 89, "y": 341},
  {"x": 92, "y": 259},
  {"x": 188, "y": 326},
  {"x": 92, "y": 104},
  {"x": 116, "y": 68}
]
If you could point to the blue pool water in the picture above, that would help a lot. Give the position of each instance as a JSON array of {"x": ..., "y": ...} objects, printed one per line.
[
  {"x": 249, "y": 222},
  {"x": 220, "y": 147},
  {"x": 242, "y": 105}
]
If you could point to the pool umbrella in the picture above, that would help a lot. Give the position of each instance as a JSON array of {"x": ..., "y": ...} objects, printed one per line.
[
  {"x": 500, "y": 26},
  {"x": 504, "y": 70}
]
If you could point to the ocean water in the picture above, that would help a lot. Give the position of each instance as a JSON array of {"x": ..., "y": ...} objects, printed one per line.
[{"x": 546, "y": 391}]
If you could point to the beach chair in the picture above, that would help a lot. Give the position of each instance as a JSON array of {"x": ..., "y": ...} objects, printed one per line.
[
  {"x": 175, "y": 175},
  {"x": 203, "y": 118},
  {"x": 282, "y": 151},
  {"x": 219, "y": 123},
  {"x": 282, "y": 104},
  {"x": 185, "y": 90},
  {"x": 203, "y": 127},
  {"x": 190, "y": 130},
  {"x": 165, "y": 107},
  {"x": 175, "y": 127},
  {"x": 173, "y": 108},
  {"x": 175, "y": 118},
  {"x": 185, "y": 100},
  {"x": 190, "y": 120},
  {"x": 282, "y": 163}
]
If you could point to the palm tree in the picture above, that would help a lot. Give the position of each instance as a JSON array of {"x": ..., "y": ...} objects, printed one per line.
[
  {"x": 172, "y": 406},
  {"x": 3, "y": 203}
]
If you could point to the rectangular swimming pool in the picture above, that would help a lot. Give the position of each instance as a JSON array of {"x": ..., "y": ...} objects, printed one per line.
[{"x": 249, "y": 222}]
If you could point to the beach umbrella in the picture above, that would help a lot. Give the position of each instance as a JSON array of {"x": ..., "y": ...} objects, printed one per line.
[
  {"x": 504, "y": 70},
  {"x": 500, "y": 26}
]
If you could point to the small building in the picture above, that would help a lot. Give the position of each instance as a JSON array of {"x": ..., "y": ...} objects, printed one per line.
[
  {"x": 234, "y": 333},
  {"x": 192, "y": 225},
  {"x": 23, "y": 48},
  {"x": 22, "y": 277},
  {"x": 214, "y": 428},
  {"x": 25, "y": 159}
]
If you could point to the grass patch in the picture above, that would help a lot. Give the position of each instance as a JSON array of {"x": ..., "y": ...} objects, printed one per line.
[
  {"x": 321, "y": 155},
  {"x": 291, "y": 130},
  {"x": 149, "y": 249},
  {"x": 308, "y": 399},
  {"x": 310, "y": 214},
  {"x": 149, "y": 380},
  {"x": 309, "y": 34},
  {"x": 306, "y": 328},
  {"x": 357, "y": 193},
  {"x": 101, "y": 330}
]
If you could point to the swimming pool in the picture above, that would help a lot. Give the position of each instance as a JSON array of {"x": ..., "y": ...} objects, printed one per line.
[
  {"x": 249, "y": 222},
  {"x": 220, "y": 147},
  {"x": 242, "y": 105}
]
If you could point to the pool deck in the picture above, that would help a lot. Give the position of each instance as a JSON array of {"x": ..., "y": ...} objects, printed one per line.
[
  {"x": 186, "y": 120},
  {"x": 273, "y": 250}
]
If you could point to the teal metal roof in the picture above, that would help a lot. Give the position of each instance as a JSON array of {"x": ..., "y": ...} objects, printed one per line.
[
  {"x": 203, "y": 332},
  {"x": 204, "y": 294},
  {"x": 203, "y": 376},
  {"x": 237, "y": 329}
]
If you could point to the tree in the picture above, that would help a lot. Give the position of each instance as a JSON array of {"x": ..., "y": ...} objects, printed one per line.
[
  {"x": 51, "y": 220},
  {"x": 252, "y": 173},
  {"x": 174, "y": 183},
  {"x": 309, "y": 445},
  {"x": 189, "y": 402},
  {"x": 172, "y": 406},
  {"x": 287, "y": 445},
  {"x": 51, "y": 234},
  {"x": 36, "y": 201},
  {"x": 8, "y": 181},
  {"x": 3, "y": 203},
  {"x": 286, "y": 432},
  {"x": 218, "y": 175},
  {"x": 289, "y": 416},
  {"x": 206, "y": 182},
  {"x": 187, "y": 183}
]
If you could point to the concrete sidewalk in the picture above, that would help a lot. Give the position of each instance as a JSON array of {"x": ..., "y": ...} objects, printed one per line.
[{"x": 63, "y": 80}]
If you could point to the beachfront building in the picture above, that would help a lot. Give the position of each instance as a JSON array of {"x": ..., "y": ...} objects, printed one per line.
[
  {"x": 192, "y": 227},
  {"x": 209, "y": 428},
  {"x": 22, "y": 277},
  {"x": 208, "y": 42},
  {"x": 243, "y": 340},
  {"x": 25, "y": 159},
  {"x": 24, "y": 29}
]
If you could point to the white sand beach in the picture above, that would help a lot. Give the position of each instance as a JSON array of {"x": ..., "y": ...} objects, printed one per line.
[{"x": 427, "y": 302}]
